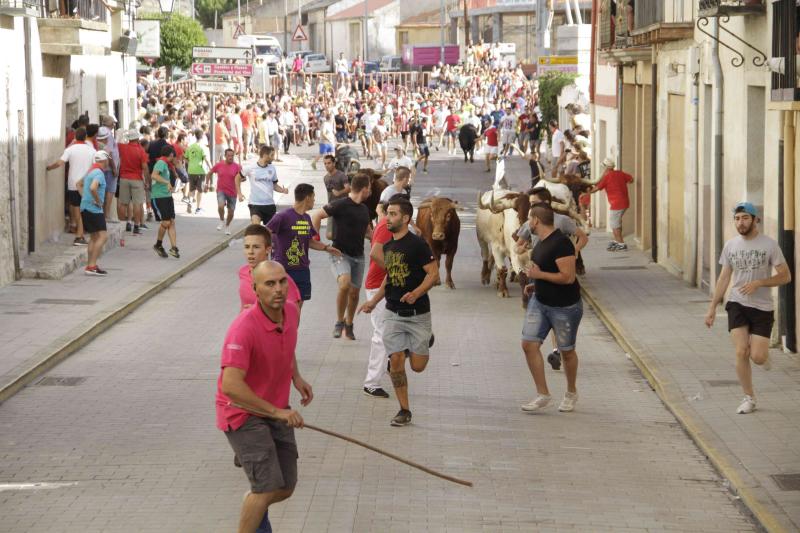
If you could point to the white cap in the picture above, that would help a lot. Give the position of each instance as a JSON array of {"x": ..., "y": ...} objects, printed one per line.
[
  {"x": 101, "y": 155},
  {"x": 103, "y": 132},
  {"x": 608, "y": 162}
]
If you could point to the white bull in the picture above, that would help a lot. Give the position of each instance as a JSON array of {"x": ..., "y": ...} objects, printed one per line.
[{"x": 496, "y": 223}]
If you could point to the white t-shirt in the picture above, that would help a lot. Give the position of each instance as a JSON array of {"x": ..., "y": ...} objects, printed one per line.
[
  {"x": 370, "y": 121},
  {"x": 80, "y": 157},
  {"x": 557, "y": 139},
  {"x": 302, "y": 114},
  {"x": 403, "y": 161},
  {"x": 262, "y": 182},
  {"x": 341, "y": 65},
  {"x": 328, "y": 136},
  {"x": 236, "y": 125},
  {"x": 750, "y": 260}
]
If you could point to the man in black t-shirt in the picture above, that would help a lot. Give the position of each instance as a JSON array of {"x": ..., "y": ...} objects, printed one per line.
[
  {"x": 352, "y": 227},
  {"x": 417, "y": 130},
  {"x": 411, "y": 271},
  {"x": 556, "y": 305}
]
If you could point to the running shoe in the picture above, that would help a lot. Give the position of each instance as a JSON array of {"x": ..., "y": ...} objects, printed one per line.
[
  {"x": 337, "y": 330},
  {"x": 376, "y": 392},
  {"x": 80, "y": 241},
  {"x": 747, "y": 406},
  {"x": 227, "y": 230},
  {"x": 128, "y": 227},
  {"x": 568, "y": 403},
  {"x": 611, "y": 246},
  {"x": 220, "y": 226},
  {"x": 160, "y": 251},
  {"x": 348, "y": 332},
  {"x": 538, "y": 403},
  {"x": 174, "y": 252},
  {"x": 94, "y": 271},
  {"x": 402, "y": 418},
  {"x": 264, "y": 526},
  {"x": 554, "y": 358},
  {"x": 137, "y": 230},
  {"x": 186, "y": 200},
  {"x": 621, "y": 247},
  {"x": 198, "y": 211}
]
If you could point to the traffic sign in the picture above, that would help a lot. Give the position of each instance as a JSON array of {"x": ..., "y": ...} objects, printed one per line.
[
  {"x": 216, "y": 86},
  {"x": 239, "y": 31},
  {"x": 299, "y": 34},
  {"x": 222, "y": 52},
  {"x": 221, "y": 69}
]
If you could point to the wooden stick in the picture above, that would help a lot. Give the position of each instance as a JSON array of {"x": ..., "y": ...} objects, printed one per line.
[{"x": 357, "y": 442}]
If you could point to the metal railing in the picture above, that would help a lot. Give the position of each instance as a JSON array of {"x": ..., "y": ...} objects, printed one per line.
[
  {"x": 784, "y": 37},
  {"x": 649, "y": 12},
  {"x": 714, "y": 7},
  {"x": 606, "y": 27}
]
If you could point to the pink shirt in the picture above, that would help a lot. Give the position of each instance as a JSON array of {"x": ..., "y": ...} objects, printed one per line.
[
  {"x": 248, "y": 296},
  {"x": 226, "y": 177},
  {"x": 265, "y": 351}
]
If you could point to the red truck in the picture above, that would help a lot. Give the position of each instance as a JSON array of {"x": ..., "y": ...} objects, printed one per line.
[{"x": 428, "y": 56}]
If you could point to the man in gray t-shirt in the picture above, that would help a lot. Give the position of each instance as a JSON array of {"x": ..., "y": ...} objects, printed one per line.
[{"x": 749, "y": 259}]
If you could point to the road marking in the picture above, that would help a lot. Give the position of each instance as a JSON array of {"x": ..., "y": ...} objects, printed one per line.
[{"x": 34, "y": 486}]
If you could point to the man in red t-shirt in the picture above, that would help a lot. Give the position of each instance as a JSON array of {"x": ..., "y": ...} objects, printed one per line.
[
  {"x": 247, "y": 126},
  {"x": 229, "y": 179},
  {"x": 378, "y": 357},
  {"x": 452, "y": 122},
  {"x": 132, "y": 170},
  {"x": 258, "y": 367},
  {"x": 615, "y": 183},
  {"x": 490, "y": 135}
]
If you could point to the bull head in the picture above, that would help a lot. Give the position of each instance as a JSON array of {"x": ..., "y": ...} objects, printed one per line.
[{"x": 500, "y": 205}]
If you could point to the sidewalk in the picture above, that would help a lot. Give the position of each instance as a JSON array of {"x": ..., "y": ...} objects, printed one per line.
[
  {"x": 77, "y": 308},
  {"x": 658, "y": 320}
]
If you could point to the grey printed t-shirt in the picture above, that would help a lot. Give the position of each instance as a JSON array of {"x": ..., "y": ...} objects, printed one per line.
[
  {"x": 751, "y": 259},
  {"x": 567, "y": 226}
]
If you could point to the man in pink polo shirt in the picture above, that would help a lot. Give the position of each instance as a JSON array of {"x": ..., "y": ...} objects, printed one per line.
[
  {"x": 229, "y": 179},
  {"x": 258, "y": 367}
]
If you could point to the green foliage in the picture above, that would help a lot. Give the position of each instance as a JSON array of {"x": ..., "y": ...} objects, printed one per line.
[
  {"x": 550, "y": 86},
  {"x": 205, "y": 10},
  {"x": 178, "y": 35}
]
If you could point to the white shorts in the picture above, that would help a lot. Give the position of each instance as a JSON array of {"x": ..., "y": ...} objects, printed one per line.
[
  {"x": 490, "y": 150},
  {"x": 615, "y": 218}
]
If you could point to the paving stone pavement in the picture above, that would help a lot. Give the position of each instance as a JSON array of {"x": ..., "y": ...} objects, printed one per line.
[
  {"x": 137, "y": 443},
  {"x": 662, "y": 319}
]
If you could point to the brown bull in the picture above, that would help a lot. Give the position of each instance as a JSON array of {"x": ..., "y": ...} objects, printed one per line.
[{"x": 438, "y": 221}]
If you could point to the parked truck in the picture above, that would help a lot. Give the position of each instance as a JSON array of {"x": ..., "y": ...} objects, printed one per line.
[{"x": 429, "y": 55}]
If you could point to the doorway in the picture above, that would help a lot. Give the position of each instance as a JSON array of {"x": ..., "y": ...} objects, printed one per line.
[{"x": 676, "y": 180}]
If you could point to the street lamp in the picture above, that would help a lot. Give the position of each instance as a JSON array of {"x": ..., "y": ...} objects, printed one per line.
[{"x": 166, "y": 6}]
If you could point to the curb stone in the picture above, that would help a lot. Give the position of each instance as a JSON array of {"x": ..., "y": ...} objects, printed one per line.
[
  {"x": 757, "y": 501},
  {"x": 53, "y": 355}
]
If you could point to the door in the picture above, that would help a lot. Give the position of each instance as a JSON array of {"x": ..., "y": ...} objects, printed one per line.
[
  {"x": 356, "y": 40},
  {"x": 676, "y": 180}
]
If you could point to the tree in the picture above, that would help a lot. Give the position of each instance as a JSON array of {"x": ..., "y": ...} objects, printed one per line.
[
  {"x": 207, "y": 9},
  {"x": 178, "y": 35},
  {"x": 550, "y": 86}
]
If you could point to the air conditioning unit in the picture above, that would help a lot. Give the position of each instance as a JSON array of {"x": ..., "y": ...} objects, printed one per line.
[{"x": 128, "y": 43}]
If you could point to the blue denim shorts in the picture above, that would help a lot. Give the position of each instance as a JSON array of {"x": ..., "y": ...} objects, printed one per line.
[
  {"x": 352, "y": 266},
  {"x": 564, "y": 321}
]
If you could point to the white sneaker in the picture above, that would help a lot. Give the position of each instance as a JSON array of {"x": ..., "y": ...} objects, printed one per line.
[
  {"x": 747, "y": 406},
  {"x": 227, "y": 230},
  {"x": 568, "y": 403},
  {"x": 767, "y": 364},
  {"x": 219, "y": 227},
  {"x": 539, "y": 403},
  {"x": 611, "y": 245}
]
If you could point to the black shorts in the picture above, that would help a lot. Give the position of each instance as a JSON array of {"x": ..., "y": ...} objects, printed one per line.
[
  {"x": 268, "y": 453},
  {"x": 424, "y": 150},
  {"x": 163, "y": 208},
  {"x": 264, "y": 212},
  {"x": 93, "y": 222},
  {"x": 196, "y": 182},
  {"x": 302, "y": 278},
  {"x": 758, "y": 322},
  {"x": 73, "y": 198}
]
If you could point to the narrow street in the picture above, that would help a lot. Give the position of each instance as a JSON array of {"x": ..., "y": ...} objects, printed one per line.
[{"x": 130, "y": 444}]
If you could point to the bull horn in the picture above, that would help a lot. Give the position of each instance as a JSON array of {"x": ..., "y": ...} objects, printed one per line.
[
  {"x": 551, "y": 180},
  {"x": 480, "y": 201},
  {"x": 493, "y": 205}
]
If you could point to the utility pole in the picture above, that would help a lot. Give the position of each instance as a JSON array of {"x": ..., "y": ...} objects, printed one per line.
[
  {"x": 366, "y": 30},
  {"x": 441, "y": 31},
  {"x": 467, "y": 35},
  {"x": 285, "y": 26}
]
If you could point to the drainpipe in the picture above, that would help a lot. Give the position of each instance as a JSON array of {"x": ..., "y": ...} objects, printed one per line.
[
  {"x": 786, "y": 294},
  {"x": 30, "y": 147},
  {"x": 694, "y": 219},
  {"x": 718, "y": 89},
  {"x": 654, "y": 156},
  {"x": 12, "y": 190}
]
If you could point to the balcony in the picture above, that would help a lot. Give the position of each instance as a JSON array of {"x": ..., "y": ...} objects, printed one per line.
[
  {"x": 20, "y": 8},
  {"x": 661, "y": 21},
  {"x": 730, "y": 8},
  {"x": 784, "y": 65}
]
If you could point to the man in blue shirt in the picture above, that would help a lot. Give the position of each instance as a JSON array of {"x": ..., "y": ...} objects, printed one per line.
[{"x": 92, "y": 188}]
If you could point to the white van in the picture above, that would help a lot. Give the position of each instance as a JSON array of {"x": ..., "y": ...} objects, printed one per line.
[{"x": 266, "y": 47}]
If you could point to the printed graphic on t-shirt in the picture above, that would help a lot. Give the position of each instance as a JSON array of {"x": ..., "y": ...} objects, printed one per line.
[
  {"x": 747, "y": 260},
  {"x": 294, "y": 253},
  {"x": 397, "y": 268}
]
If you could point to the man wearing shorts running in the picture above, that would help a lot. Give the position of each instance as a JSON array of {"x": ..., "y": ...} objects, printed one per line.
[
  {"x": 411, "y": 271},
  {"x": 418, "y": 132},
  {"x": 294, "y": 235},
  {"x": 749, "y": 259},
  {"x": 263, "y": 184},
  {"x": 327, "y": 139},
  {"x": 196, "y": 156},
  {"x": 352, "y": 227},
  {"x": 555, "y": 305},
  {"x": 163, "y": 205},
  {"x": 257, "y": 368},
  {"x": 229, "y": 179}
]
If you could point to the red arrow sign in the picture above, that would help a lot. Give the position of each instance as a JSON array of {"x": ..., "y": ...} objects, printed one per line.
[{"x": 221, "y": 69}]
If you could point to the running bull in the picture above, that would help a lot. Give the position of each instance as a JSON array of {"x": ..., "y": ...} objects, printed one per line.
[
  {"x": 440, "y": 226},
  {"x": 467, "y": 136}
]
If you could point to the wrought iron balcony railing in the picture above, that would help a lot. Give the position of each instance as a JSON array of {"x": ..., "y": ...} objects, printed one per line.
[
  {"x": 732, "y": 8},
  {"x": 784, "y": 51}
]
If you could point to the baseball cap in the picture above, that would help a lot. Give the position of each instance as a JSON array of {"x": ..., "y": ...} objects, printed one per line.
[
  {"x": 745, "y": 207},
  {"x": 101, "y": 155},
  {"x": 103, "y": 133}
]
